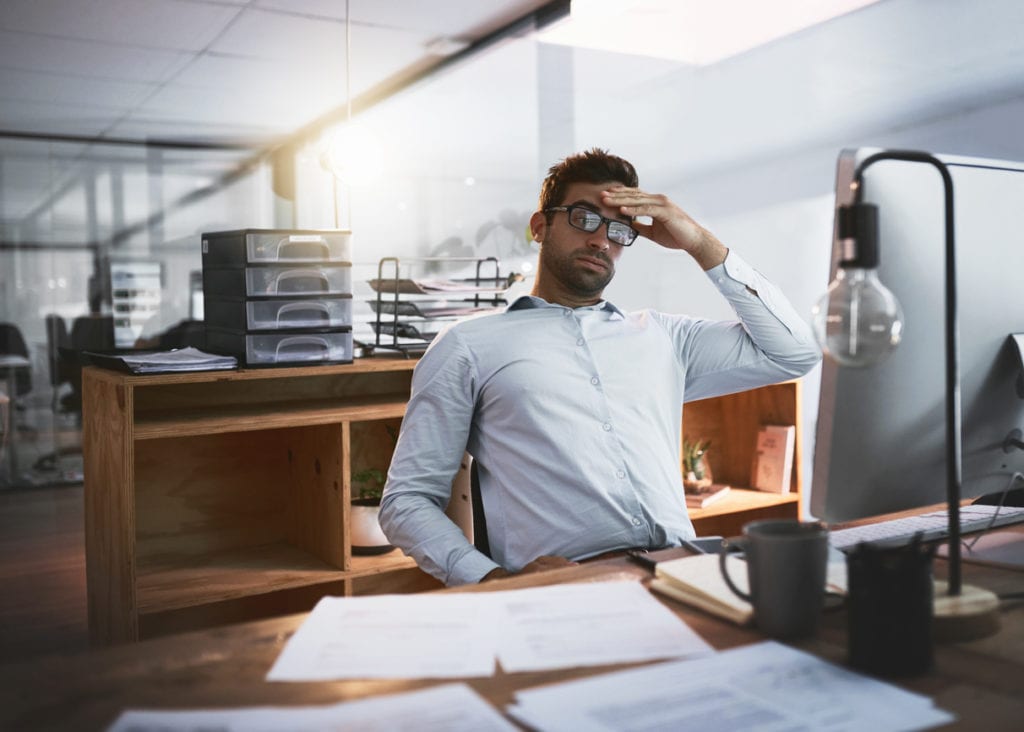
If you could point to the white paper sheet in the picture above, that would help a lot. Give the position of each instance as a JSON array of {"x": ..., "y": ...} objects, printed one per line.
[
  {"x": 390, "y": 636},
  {"x": 763, "y": 687},
  {"x": 588, "y": 625},
  {"x": 444, "y": 708},
  {"x": 460, "y": 635}
]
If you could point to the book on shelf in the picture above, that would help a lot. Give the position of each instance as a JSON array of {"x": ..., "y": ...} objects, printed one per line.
[
  {"x": 773, "y": 458},
  {"x": 697, "y": 581},
  {"x": 706, "y": 495}
]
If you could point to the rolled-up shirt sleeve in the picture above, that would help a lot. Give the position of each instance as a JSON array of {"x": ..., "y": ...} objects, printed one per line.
[
  {"x": 769, "y": 343},
  {"x": 427, "y": 456}
]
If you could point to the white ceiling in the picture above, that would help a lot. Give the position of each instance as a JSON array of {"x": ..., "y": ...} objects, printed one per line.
[
  {"x": 252, "y": 71},
  {"x": 248, "y": 70}
]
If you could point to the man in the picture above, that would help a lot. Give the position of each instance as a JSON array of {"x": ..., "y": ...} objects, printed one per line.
[{"x": 572, "y": 408}]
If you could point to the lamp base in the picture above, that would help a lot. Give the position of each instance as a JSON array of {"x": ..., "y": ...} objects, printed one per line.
[{"x": 972, "y": 614}]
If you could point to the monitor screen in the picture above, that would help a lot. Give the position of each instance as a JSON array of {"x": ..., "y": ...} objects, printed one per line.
[{"x": 881, "y": 432}]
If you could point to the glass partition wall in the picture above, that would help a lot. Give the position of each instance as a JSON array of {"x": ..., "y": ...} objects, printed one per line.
[
  {"x": 99, "y": 248},
  {"x": 454, "y": 171}
]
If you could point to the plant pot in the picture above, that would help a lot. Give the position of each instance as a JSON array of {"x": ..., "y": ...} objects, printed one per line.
[
  {"x": 367, "y": 537},
  {"x": 695, "y": 485}
]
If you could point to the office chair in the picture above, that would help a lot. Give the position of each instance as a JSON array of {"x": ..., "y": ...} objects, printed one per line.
[
  {"x": 12, "y": 343},
  {"x": 480, "y": 539},
  {"x": 57, "y": 338},
  {"x": 62, "y": 366}
]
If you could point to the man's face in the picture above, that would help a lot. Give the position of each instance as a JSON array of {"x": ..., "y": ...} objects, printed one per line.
[{"x": 582, "y": 263}]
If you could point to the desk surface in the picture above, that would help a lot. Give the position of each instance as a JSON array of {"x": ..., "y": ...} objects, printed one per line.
[{"x": 981, "y": 681}]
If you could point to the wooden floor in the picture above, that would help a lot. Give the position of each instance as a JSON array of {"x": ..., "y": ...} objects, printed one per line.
[{"x": 42, "y": 573}]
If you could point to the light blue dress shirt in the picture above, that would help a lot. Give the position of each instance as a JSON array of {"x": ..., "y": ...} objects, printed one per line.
[{"x": 574, "y": 417}]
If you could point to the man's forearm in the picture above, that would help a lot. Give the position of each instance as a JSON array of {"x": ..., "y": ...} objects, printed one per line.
[{"x": 418, "y": 526}]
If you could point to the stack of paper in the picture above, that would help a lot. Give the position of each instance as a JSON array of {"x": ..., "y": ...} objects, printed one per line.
[
  {"x": 156, "y": 362},
  {"x": 766, "y": 686}
]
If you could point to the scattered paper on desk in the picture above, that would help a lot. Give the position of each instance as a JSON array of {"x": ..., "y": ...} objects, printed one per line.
[
  {"x": 589, "y": 624},
  {"x": 762, "y": 687},
  {"x": 390, "y": 636},
  {"x": 461, "y": 635},
  {"x": 448, "y": 707}
]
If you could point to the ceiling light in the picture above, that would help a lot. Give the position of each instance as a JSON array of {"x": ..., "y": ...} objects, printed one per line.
[
  {"x": 698, "y": 32},
  {"x": 446, "y": 46}
]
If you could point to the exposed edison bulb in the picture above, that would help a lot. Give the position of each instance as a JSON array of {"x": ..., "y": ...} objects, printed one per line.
[{"x": 858, "y": 322}]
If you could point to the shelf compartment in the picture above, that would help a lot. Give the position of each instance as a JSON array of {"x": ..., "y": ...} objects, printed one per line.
[
  {"x": 263, "y": 416},
  {"x": 229, "y": 575}
]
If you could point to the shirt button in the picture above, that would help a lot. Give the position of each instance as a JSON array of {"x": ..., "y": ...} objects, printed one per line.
[
  {"x": 594, "y": 380},
  {"x": 607, "y": 427},
  {"x": 620, "y": 473},
  {"x": 579, "y": 341},
  {"x": 636, "y": 521}
]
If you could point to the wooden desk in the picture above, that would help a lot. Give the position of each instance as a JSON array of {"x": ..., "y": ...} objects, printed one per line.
[
  {"x": 980, "y": 681},
  {"x": 222, "y": 496}
]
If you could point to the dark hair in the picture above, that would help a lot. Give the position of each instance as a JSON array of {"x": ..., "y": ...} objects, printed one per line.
[{"x": 590, "y": 166}]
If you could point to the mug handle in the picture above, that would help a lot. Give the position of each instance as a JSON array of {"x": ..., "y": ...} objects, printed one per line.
[{"x": 728, "y": 546}]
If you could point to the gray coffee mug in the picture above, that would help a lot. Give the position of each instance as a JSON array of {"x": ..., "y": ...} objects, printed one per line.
[{"x": 786, "y": 565}]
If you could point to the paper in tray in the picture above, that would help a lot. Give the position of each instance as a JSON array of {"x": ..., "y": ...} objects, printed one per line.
[{"x": 490, "y": 286}]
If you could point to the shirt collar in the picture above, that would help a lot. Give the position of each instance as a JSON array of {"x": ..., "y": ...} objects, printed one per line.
[{"x": 527, "y": 302}]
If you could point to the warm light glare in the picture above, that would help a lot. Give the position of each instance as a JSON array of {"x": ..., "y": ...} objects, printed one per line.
[
  {"x": 353, "y": 154},
  {"x": 697, "y": 32}
]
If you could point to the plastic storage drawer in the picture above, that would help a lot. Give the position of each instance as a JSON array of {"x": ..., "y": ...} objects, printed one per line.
[
  {"x": 277, "y": 349},
  {"x": 274, "y": 281},
  {"x": 277, "y": 313},
  {"x": 271, "y": 246}
]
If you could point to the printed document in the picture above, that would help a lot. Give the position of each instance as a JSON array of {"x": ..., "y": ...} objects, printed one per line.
[
  {"x": 588, "y": 625},
  {"x": 461, "y": 635},
  {"x": 390, "y": 636},
  {"x": 765, "y": 687},
  {"x": 445, "y": 708}
]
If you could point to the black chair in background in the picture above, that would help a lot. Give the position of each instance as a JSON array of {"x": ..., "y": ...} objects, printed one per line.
[
  {"x": 63, "y": 368},
  {"x": 12, "y": 343},
  {"x": 58, "y": 340}
]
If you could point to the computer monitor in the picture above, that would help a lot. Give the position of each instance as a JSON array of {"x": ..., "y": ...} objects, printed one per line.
[{"x": 881, "y": 438}]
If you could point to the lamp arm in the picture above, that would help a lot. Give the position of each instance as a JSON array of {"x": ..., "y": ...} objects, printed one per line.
[{"x": 954, "y": 443}]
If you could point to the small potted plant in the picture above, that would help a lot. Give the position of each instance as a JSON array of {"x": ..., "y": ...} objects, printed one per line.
[
  {"x": 367, "y": 537},
  {"x": 696, "y": 471}
]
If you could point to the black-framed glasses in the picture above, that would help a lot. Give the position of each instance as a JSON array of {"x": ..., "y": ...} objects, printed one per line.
[{"x": 590, "y": 221}]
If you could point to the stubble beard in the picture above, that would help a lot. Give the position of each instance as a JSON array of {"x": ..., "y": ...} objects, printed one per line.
[{"x": 581, "y": 282}]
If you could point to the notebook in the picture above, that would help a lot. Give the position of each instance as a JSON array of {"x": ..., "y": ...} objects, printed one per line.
[{"x": 697, "y": 581}]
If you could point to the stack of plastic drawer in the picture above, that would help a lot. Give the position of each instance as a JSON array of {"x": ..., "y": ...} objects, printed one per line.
[{"x": 278, "y": 297}]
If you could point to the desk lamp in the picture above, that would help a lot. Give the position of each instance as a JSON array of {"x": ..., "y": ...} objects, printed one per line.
[{"x": 858, "y": 322}]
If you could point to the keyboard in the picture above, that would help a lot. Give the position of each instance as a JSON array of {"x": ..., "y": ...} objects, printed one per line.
[{"x": 931, "y": 526}]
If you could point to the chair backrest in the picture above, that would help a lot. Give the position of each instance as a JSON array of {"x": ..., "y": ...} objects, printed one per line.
[
  {"x": 56, "y": 338},
  {"x": 480, "y": 539},
  {"x": 12, "y": 343},
  {"x": 93, "y": 333}
]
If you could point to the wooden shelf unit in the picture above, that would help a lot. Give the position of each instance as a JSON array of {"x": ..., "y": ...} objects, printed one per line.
[
  {"x": 731, "y": 424},
  {"x": 211, "y": 488},
  {"x": 210, "y": 496}
]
